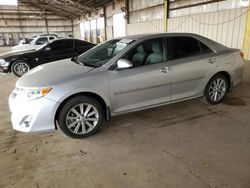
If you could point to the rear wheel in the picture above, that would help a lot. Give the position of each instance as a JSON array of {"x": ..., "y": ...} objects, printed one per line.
[
  {"x": 20, "y": 67},
  {"x": 80, "y": 117},
  {"x": 216, "y": 89}
]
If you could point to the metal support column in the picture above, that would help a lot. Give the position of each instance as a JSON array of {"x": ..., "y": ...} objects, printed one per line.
[
  {"x": 166, "y": 14},
  {"x": 247, "y": 35}
]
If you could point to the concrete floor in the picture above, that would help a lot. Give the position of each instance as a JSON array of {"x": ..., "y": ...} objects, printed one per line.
[{"x": 188, "y": 144}]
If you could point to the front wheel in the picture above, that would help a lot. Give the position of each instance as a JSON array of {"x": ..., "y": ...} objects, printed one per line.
[
  {"x": 20, "y": 67},
  {"x": 80, "y": 117},
  {"x": 216, "y": 89}
]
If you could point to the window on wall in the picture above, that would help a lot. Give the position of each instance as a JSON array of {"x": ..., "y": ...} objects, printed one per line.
[
  {"x": 119, "y": 25},
  {"x": 100, "y": 29},
  {"x": 82, "y": 30},
  {"x": 211, "y": 7},
  {"x": 8, "y": 2},
  {"x": 93, "y": 25},
  {"x": 93, "y": 30},
  {"x": 87, "y": 30}
]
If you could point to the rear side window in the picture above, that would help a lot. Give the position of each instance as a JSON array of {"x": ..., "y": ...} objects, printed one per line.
[
  {"x": 51, "y": 38},
  {"x": 61, "y": 44},
  {"x": 182, "y": 47},
  {"x": 204, "y": 48},
  {"x": 79, "y": 44}
]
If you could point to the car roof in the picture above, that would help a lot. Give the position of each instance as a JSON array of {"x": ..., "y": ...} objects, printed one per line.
[
  {"x": 215, "y": 46},
  {"x": 58, "y": 39}
]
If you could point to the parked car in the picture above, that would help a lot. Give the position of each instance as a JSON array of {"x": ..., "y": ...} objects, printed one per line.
[
  {"x": 25, "y": 41},
  {"x": 35, "y": 43},
  {"x": 120, "y": 76},
  {"x": 21, "y": 62}
]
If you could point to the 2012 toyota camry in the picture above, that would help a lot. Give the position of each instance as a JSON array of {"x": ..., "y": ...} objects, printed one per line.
[{"x": 120, "y": 76}]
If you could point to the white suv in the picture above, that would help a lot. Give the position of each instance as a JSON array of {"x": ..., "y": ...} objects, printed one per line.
[{"x": 35, "y": 43}]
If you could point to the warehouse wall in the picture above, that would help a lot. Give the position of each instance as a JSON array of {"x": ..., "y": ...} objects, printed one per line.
[
  {"x": 223, "y": 21},
  {"x": 96, "y": 34},
  {"x": 226, "y": 26},
  {"x": 22, "y": 21},
  {"x": 146, "y": 16},
  {"x": 152, "y": 26}
]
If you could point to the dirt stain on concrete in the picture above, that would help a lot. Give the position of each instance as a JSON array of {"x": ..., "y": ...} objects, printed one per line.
[{"x": 235, "y": 101}]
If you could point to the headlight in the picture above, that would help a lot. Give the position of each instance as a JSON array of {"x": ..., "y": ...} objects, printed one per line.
[
  {"x": 4, "y": 63},
  {"x": 30, "y": 94}
]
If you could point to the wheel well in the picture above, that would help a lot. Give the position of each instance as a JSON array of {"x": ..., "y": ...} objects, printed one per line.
[
  {"x": 228, "y": 77},
  {"x": 105, "y": 107}
]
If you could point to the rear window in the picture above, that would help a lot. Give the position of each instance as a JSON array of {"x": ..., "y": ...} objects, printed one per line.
[{"x": 81, "y": 43}]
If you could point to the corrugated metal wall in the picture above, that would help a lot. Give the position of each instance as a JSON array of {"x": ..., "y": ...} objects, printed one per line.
[
  {"x": 145, "y": 16},
  {"x": 153, "y": 26},
  {"x": 226, "y": 27}
]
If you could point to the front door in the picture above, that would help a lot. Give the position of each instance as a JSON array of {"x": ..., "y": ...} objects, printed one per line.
[{"x": 145, "y": 84}]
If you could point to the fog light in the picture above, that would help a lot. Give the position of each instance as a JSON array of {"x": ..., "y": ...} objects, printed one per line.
[{"x": 25, "y": 123}]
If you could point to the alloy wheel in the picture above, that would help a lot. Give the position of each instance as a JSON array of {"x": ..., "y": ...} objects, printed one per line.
[
  {"x": 217, "y": 89},
  {"x": 82, "y": 118},
  {"x": 21, "y": 68}
]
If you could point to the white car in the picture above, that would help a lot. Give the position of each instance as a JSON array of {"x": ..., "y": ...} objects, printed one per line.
[{"x": 35, "y": 43}]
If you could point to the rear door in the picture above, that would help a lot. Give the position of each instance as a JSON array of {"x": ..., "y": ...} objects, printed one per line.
[
  {"x": 193, "y": 62},
  {"x": 145, "y": 84}
]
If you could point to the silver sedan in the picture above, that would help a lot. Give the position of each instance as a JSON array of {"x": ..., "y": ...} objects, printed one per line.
[{"x": 120, "y": 76}]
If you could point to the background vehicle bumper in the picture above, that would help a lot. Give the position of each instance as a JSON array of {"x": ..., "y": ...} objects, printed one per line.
[
  {"x": 4, "y": 69},
  {"x": 35, "y": 116}
]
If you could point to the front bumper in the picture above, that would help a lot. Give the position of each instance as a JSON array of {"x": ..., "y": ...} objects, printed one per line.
[{"x": 34, "y": 116}]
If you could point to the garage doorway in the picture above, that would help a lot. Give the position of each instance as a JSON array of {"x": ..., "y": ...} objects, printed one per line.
[{"x": 119, "y": 25}]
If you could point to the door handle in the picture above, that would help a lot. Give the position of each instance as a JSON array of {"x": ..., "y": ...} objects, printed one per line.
[
  {"x": 212, "y": 60},
  {"x": 165, "y": 69}
]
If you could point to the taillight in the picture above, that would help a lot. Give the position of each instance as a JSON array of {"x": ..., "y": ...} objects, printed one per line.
[{"x": 242, "y": 55}]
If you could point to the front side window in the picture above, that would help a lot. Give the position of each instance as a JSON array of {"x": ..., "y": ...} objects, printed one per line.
[
  {"x": 182, "y": 47},
  {"x": 149, "y": 52},
  {"x": 101, "y": 54}
]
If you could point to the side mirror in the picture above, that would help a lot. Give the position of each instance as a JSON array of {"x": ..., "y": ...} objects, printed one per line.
[{"x": 124, "y": 63}]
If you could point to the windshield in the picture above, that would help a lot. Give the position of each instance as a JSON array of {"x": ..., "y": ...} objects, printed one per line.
[{"x": 101, "y": 54}]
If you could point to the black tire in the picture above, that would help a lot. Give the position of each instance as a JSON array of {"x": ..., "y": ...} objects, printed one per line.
[
  {"x": 20, "y": 67},
  {"x": 207, "y": 94},
  {"x": 66, "y": 112}
]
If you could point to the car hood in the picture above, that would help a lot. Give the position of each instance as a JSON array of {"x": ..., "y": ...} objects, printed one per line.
[
  {"x": 14, "y": 53},
  {"x": 54, "y": 73}
]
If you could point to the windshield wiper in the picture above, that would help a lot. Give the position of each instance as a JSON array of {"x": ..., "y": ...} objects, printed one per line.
[
  {"x": 88, "y": 64},
  {"x": 75, "y": 60},
  {"x": 83, "y": 63}
]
